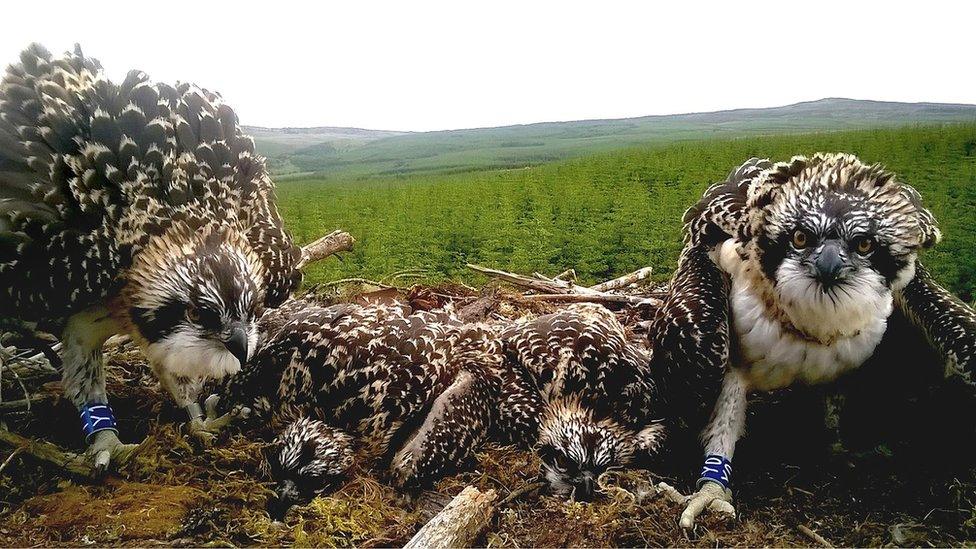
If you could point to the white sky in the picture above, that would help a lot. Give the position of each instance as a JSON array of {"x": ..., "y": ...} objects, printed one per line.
[{"x": 413, "y": 65}]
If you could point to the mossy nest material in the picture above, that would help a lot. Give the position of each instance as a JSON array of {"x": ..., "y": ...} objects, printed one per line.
[{"x": 174, "y": 494}]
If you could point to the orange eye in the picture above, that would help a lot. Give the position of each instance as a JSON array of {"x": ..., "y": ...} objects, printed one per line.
[
  {"x": 193, "y": 314},
  {"x": 800, "y": 239},
  {"x": 864, "y": 245}
]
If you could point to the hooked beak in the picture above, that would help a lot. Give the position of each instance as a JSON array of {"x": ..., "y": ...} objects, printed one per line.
[
  {"x": 237, "y": 344},
  {"x": 584, "y": 490},
  {"x": 829, "y": 264},
  {"x": 286, "y": 496}
]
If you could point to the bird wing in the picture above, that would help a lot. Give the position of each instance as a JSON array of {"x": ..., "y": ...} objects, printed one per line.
[
  {"x": 691, "y": 331},
  {"x": 719, "y": 214},
  {"x": 947, "y": 322},
  {"x": 56, "y": 191},
  {"x": 90, "y": 170},
  {"x": 691, "y": 339}
]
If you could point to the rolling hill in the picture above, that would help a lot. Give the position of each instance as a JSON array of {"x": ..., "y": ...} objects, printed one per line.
[{"x": 364, "y": 153}]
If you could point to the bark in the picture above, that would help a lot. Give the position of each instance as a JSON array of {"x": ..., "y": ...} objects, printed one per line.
[{"x": 460, "y": 522}]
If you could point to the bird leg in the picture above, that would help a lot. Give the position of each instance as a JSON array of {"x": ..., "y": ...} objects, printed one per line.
[
  {"x": 204, "y": 423},
  {"x": 83, "y": 379},
  {"x": 724, "y": 429}
]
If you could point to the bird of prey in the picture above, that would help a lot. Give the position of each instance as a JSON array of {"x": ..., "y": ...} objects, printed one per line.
[
  {"x": 414, "y": 391},
  {"x": 134, "y": 208},
  {"x": 578, "y": 389},
  {"x": 790, "y": 274}
]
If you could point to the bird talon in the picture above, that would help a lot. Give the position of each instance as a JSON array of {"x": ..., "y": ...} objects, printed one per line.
[
  {"x": 711, "y": 496},
  {"x": 106, "y": 451}
]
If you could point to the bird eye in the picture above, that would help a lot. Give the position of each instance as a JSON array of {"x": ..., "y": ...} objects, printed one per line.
[
  {"x": 800, "y": 239},
  {"x": 193, "y": 314},
  {"x": 204, "y": 317},
  {"x": 864, "y": 245},
  {"x": 561, "y": 462}
]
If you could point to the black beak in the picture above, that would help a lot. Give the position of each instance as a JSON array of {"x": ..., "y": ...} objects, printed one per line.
[
  {"x": 584, "y": 490},
  {"x": 237, "y": 344},
  {"x": 829, "y": 264},
  {"x": 286, "y": 496}
]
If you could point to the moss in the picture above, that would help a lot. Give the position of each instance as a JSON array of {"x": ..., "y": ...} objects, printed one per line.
[{"x": 118, "y": 511}]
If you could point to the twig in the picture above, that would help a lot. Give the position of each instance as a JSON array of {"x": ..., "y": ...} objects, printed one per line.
[
  {"x": 596, "y": 298},
  {"x": 330, "y": 244},
  {"x": 814, "y": 536},
  {"x": 560, "y": 290},
  {"x": 10, "y": 458},
  {"x": 51, "y": 453},
  {"x": 23, "y": 404},
  {"x": 537, "y": 284},
  {"x": 624, "y": 281},
  {"x": 521, "y": 491},
  {"x": 356, "y": 280},
  {"x": 568, "y": 275}
]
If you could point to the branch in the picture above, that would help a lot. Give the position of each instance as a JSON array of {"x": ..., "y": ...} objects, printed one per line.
[
  {"x": 596, "y": 298},
  {"x": 51, "y": 453},
  {"x": 814, "y": 536},
  {"x": 624, "y": 281},
  {"x": 539, "y": 284},
  {"x": 332, "y": 243},
  {"x": 459, "y": 523},
  {"x": 554, "y": 289}
]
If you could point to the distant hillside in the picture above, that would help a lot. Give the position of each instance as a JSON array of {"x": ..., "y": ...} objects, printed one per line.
[{"x": 373, "y": 152}]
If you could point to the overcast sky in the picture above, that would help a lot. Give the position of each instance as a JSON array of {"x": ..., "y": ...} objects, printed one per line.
[{"x": 424, "y": 66}]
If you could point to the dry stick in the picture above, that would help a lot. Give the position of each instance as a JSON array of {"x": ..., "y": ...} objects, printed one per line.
[
  {"x": 332, "y": 243},
  {"x": 357, "y": 280},
  {"x": 814, "y": 536},
  {"x": 521, "y": 491},
  {"x": 539, "y": 285},
  {"x": 459, "y": 523},
  {"x": 10, "y": 458},
  {"x": 595, "y": 298},
  {"x": 560, "y": 290},
  {"x": 23, "y": 404},
  {"x": 568, "y": 275},
  {"x": 624, "y": 281},
  {"x": 45, "y": 451}
]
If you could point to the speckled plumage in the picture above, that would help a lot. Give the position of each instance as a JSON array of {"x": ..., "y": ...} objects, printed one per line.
[
  {"x": 789, "y": 274},
  {"x": 578, "y": 389},
  {"x": 416, "y": 390},
  {"x": 134, "y": 207}
]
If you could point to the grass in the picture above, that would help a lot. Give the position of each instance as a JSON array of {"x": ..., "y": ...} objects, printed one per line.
[{"x": 605, "y": 214}]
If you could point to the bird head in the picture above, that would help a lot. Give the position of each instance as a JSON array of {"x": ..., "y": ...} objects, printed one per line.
[
  {"x": 575, "y": 449},
  {"x": 307, "y": 458},
  {"x": 833, "y": 238},
  {"x": 195, "y": 300}
]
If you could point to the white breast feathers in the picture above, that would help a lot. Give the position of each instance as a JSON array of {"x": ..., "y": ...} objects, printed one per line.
[{"x": 800, "y": 336}]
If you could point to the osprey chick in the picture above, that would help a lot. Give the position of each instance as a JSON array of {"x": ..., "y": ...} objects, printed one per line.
[
  {"x": 578, "y": 389},
  {"x": 136, "y": 208},
  {"x": 415, "y": 390},
  {"x": 789, "y": 274}
]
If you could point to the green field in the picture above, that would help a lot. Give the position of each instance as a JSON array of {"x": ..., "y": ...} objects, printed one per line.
[{"x": 608, "y": 213}]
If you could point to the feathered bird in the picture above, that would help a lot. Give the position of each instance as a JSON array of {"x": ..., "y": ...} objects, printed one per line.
[
  {"x": 415, "y": 390},
  {"x": 136, "y": 208},
  {"x": 307, "y": 458},
  {"x": 790, "y": 274},
  {"x": 578, "y": 389}
]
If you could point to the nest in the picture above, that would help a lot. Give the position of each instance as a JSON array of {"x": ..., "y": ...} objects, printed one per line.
[{"x": 173, "y": 493}]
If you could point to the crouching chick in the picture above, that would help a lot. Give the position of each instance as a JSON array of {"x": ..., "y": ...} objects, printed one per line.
[
  {"x": 577, "y": 389},
  {"x": 411, "y": 393}
]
